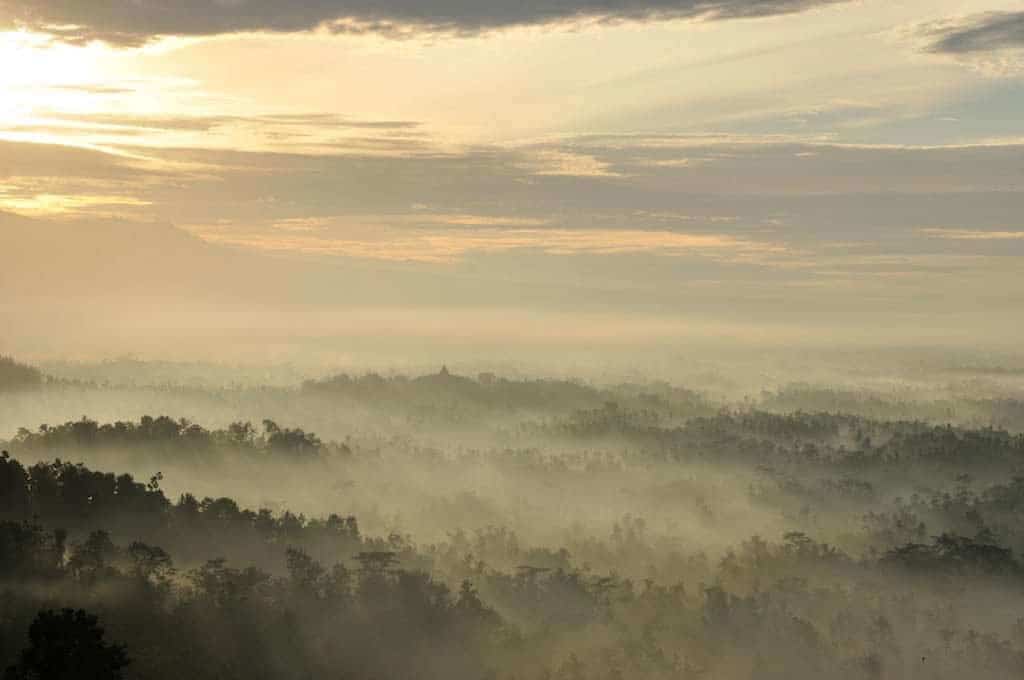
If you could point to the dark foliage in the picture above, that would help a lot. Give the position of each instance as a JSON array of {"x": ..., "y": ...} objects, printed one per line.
[
  {"x": 68, "y": 645},
  {"x": 17, "y": 376}
]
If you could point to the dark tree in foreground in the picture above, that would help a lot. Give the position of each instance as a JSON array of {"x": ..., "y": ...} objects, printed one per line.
[{"x": 68, "y": 645}]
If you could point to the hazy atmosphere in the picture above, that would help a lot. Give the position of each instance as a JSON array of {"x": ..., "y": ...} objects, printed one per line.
[{"x": 577, "y": 340}]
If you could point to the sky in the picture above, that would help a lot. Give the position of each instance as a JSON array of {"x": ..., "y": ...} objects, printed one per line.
[{"x": 580, "y": 171}]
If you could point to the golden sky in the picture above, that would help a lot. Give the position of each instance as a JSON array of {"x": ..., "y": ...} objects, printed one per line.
[{"x": 821, "y": 152}]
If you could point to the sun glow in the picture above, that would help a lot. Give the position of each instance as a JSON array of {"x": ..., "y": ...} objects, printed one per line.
[{"x": 39, "y": 76}]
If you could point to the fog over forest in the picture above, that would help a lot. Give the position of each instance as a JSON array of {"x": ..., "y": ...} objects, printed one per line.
[{"x": 229, "y": 520}]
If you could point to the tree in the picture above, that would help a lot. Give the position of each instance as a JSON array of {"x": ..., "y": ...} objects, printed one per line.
[
  {"x": 305, "y": 572},
  {"x": 68, "y": 645},
  {"x": 14, "y": 493},
  {"x": 469, "y": 599},
  {"x": 93, "y": 558},
  {"x": 150, "y": 561},
  {"x": 242, "y": 433},
  {"x": 16, "y": 376}
]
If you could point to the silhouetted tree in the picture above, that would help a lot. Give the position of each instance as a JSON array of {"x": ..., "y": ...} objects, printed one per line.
[{"x": 68, "y": 645}]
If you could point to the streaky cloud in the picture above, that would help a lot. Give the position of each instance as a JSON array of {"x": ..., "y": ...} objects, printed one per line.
[
  {"x": 129, "y": 23},
  {"x": 988, "y": 32}
]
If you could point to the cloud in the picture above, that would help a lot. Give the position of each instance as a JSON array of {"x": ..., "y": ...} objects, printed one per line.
[
  {"x": 558, "y": 162},
  {"x": 208, "y": 123},
  {"x": 132, "y": 23},
  {"x": 60, "y": 162},
  {"x": 974, "y": 235},
  {"x": 752, "y": 232},
  {"x": 200, "y": 185},
  {"x": 450, "y": 245},
  {"x": 62, "y": 204},
  {"x": 989, "y": 32},
  {"x": 296, "y": 133},
  {"x": 747, "y": 189},
  {"x": 94, "y": 89}
]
